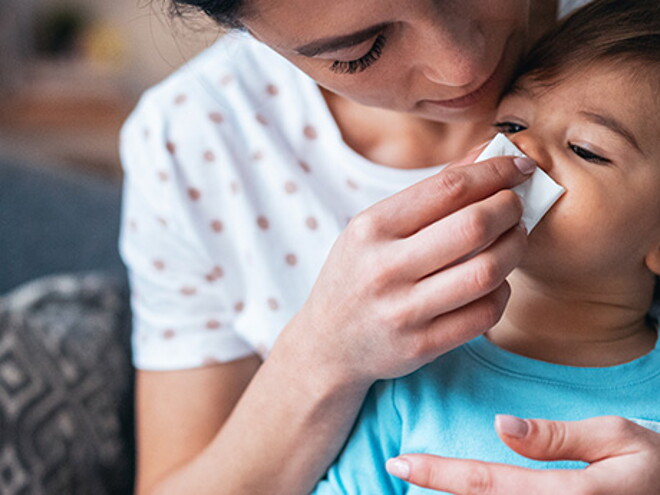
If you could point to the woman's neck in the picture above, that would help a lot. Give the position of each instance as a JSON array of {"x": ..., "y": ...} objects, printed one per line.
[
  {"x": 401, "y": 140},
  {"x": 574, "y": 327}
]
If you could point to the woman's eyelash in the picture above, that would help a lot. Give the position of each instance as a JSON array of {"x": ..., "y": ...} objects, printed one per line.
[
  {"x": 588, "y": 155},
  {"x": 362, "y": 63},
  {"x": 509, "y": 127}
]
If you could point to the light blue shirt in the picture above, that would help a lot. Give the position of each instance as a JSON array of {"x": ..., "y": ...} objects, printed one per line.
[{"x": 447, "y": 408}]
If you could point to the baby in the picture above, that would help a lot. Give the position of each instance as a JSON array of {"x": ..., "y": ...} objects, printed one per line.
[{"x": 575, "y": 340}]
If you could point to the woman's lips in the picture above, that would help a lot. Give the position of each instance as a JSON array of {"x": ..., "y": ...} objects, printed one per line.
[{"x": 471, "y": 98}]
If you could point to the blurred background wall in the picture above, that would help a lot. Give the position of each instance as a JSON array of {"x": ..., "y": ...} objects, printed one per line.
[{"x": 71, "y": 70}]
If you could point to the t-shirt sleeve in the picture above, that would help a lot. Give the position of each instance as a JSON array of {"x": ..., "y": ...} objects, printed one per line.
[
  {"x": 376, "y": 437},
  {"x": 184, "y": 302}
]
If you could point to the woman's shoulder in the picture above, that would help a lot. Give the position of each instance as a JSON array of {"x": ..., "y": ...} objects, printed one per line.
[
  {"x": 234, "y": 74},
  {"x": 231, "y": 95}
]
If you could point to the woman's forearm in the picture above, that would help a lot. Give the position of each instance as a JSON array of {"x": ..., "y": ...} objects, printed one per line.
[{"x": 282, "y": 435}]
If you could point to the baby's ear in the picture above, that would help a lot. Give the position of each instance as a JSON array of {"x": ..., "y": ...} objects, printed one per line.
[{"x": 653, "y": 260}]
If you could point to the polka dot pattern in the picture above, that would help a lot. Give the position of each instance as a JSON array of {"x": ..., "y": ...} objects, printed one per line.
[
  {"x": 290, "y": 187},
  {"x": 213, "y": 325},
  {"x": 351, "y": 184},
  {"x": 291, "y": 259},
  {"x": 194, "y": 194},
  {"x": 261, "y": 119},
  {"x": 310, "y": 132},
  {"x": 188, "y": 290},
  {"x": 242, "y": 174},
  {"x": 216, "y": 117},
  {"x": 263, "y": 222},
  {"x": 273, "y": 304},
  {"x": 312, "y": 223},
  {"x": 217, "y": 226},
  {"x": 215, "y": 274}
]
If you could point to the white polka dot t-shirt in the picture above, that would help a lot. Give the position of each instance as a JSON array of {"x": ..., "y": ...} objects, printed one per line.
[{"x": 237, "y": 184}]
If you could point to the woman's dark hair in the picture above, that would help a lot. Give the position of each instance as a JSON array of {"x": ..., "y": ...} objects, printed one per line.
[
  {"x": 616, "y": 30},
  {"x": 227, "y": 13}
]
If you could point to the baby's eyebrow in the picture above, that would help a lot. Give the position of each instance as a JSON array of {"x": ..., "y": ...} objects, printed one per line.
[{"x": 613, "y": 125}]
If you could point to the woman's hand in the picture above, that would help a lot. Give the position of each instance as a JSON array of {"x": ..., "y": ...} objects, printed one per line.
[
  {"x": 623, "y": 458},
  {"x": 415, "y": 275}
]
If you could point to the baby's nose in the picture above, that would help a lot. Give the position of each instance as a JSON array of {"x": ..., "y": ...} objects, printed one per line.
[{"x": 533, "y": 147}]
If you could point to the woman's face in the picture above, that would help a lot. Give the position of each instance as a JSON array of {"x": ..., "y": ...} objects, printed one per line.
[{"x": 444, "y": 60}]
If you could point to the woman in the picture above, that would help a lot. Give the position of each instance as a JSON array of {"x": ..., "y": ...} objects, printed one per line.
[{"x": 265, "y": 214}]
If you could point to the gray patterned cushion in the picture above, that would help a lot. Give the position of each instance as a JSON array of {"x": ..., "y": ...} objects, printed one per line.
[{"x": 65, "y": 388}]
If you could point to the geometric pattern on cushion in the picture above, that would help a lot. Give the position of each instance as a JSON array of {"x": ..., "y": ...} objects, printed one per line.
[{"x": 66, "y": 386}]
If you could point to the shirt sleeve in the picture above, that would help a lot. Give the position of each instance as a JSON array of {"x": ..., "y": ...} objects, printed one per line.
[
  {"x": 184, "y": 302},
  {"x": 376, "y": 437}
]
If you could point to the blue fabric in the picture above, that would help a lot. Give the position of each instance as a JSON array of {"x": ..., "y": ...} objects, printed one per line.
[
  {"x": 56, "y": 221},
  {"x": 447, "y": 408}
]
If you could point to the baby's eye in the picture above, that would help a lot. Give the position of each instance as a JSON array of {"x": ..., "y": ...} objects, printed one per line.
[
  {"x": 588, "y": 155},
  {"x": 509, "y": 127}
]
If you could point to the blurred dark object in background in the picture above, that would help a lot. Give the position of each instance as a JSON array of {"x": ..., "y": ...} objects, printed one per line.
[{"x": 59, "y": 29}]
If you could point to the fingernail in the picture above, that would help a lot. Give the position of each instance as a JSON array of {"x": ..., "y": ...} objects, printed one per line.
[
  {"x": 511, "y": 426},
  {"x": 525, "y": 164},
  {"x": 399, "y": 468}
]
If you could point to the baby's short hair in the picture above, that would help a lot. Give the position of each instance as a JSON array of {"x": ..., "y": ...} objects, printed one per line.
[{"x": 617, "y": 31}]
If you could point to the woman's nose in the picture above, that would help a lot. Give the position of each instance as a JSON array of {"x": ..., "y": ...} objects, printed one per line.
[
  {"x": 533, "y": 147},
  {"x": 449, "y": 58}
]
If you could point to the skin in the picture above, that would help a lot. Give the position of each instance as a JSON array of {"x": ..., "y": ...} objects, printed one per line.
[
  {"x": 568, "y": 306},
  {"x": 433, "y": 51},
  {"x": 588, "y": 310},
  {"x": 211, "y": 436}
]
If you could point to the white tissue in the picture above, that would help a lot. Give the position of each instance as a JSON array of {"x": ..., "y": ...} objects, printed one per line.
[{"x": 538, "y": 194}]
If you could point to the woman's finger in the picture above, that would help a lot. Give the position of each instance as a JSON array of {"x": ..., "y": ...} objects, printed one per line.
[
  {"x": 468, "y": 477},
  {"x": 460, "y": 234},
  {"x": 452, "y": 329},
  {"x": 468, "y": 281},
  {"x": 444, "y": 193},
  {"x": 588, "y": 440}
]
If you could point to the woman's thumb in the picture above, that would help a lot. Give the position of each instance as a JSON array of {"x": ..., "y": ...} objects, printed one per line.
[{"x": 589, "y": 440}]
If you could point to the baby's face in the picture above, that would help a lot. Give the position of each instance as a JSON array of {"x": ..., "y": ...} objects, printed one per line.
[{"x": 597, "y": 134}]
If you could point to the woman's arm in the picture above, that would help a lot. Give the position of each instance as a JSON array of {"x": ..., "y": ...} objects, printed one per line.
[
  {"x": 179, "y": 412},
  {"x": 286, "y": 428},
  {"x": 391, "y": 297},
  {"x": 624, "y": 459}
]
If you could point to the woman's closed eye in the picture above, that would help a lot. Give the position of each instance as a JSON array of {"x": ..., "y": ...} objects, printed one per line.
[{"x": 362, "y": 63}]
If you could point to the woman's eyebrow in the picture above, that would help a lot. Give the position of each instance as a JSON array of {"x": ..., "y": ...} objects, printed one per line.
[
  {"x": 339, "y": 42},
  {"x": 613, "y": 125}
]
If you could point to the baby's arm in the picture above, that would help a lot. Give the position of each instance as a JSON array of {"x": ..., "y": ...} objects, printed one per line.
[{"x": 376, "y": 436}]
